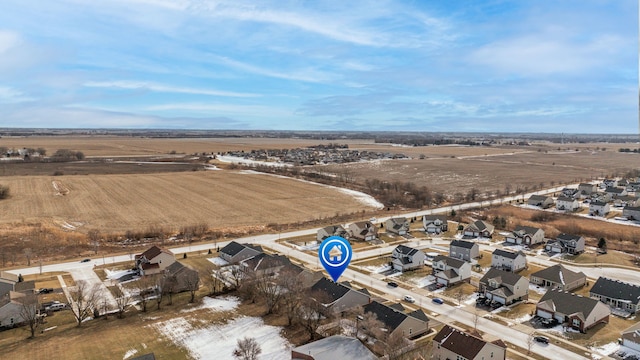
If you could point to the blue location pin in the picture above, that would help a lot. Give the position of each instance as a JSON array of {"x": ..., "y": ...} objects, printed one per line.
[{"x": 335, "y": 255}]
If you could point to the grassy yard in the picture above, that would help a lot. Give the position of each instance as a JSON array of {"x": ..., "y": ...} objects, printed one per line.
[
  {"x": 612, "y": 257},
  {"x": 603, "y": 333}
]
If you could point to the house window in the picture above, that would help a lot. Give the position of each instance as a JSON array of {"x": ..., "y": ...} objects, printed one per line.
[
  {"x": 410, "y": 331},
  {"x": 576, "y": 322}
]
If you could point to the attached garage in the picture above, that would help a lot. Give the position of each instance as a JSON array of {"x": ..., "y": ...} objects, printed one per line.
[{"x": 544, "y": 314}]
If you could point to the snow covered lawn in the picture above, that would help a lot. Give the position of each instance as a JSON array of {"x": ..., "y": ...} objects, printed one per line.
[{"x": 218, "y": 261}]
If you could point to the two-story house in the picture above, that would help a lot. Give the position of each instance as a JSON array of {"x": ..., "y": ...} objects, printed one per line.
[
  {"x": 540, "y": 201},
  {"x": 508, "y": 260},
  {"x": 617, "y": 294},
  {"x": 575, "y": 311},
  {"x": 464, "y": 250},
  {"x": 397, "y": 225},
  {"x": 566, "y": 244},
  {"x": 631, "y": 212},
  {"x": 331, "y": 230},
  {"x": 526, "y": 235},
  {"x": 154, "y": 260},
  {"x": 363, "y": 230},
  {"x": 453, "y": 344},
  {"x": 568, "y": 204},
  {"x": 504, "y": 287},
  {"x": 449, "y": 271},
  {"x": 435, "y": 224},
  {"x": 404, "y": 258},
  {"x": 558, "y": 277},
  {"x": 587, "y": 188},
  {"x": 599, "y": 208}
]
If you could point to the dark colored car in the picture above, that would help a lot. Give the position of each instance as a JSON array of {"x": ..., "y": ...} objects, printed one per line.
[
  {"x": 438, "y": 301},
  {"x": 85, "y": 260},
  {"x": 45, "y": 290},
  {"x": 392, "y": 284},
  {"x": 541, "y": 339}
]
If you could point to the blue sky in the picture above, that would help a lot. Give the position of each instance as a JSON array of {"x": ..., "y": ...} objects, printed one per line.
[{"x": 495, "y": 66}]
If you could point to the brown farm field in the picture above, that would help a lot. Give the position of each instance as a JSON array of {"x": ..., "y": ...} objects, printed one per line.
[{"x": 220, "y": 199}]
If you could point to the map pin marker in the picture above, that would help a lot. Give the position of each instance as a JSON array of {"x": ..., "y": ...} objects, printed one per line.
[{"x": 335, "y": 255}]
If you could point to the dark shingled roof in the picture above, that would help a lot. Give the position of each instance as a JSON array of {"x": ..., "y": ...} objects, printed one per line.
[
  {"x": 334, "y": 291},
  {"x": 453, "y": 262},
  {"x": 461, "y": 343},
  {"x": 568, "y": 303},
  {"x": 232, "y": 248},
  {"x": 462, "y": 244},
  {"x": 526, "y": 229},
  {"x": 152, "y": 252},
  {"x": 442, "y": 218},
  {"x": 402, "y": 249},
  {"x": 554, "y": 272},
  {"x": 391, "y": 317},
  {"x": 568, "y": 237},
  {"x": 505, "y": 277},
  {"x": 508, "y": 254},
  {"x": 616, "y": 289}
]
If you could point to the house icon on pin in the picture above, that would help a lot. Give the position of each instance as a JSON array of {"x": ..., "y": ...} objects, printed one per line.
[{"x": 335, "y": 254}]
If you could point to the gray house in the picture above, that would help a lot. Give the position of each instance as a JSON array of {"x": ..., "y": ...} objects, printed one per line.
[
  {"x": 449, "y": 271},
  {"x": 631, "y": 212},
  {"x": 617, "y": 294},
  {"x": 578, "y": 312},
  {"x": 405, "y": 258},
  {"x": 409, "y": 324},
  {"x": 340, "y": 296},
  {"x": 504, "y": 287},
  {"x": 566, "y": 244},
  {"x": 363, "y": 230},
  {"x": 331, "y": 230},
  {"x": 435, "y": 224},
  {"x": 464, "y": 250},
  {"x": 526, "y": 235},
  {"x": 235, "y": 252},
  {"x": 508, "y": 260},
  {"x": 558, "y": 277},
  {"x": 451, "y": 343},
  {"x": 540, "y": 201},
  {"x": 587, "y": 188},
  {"x": 398, "y": 225}
]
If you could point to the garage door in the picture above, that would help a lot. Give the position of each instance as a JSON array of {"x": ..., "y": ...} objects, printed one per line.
[
  {"x": 559, "y": 317},
  {"x": 544, "y": 314},
  {"x": 499, "y": 299},
  {"x": 442, "y": 281}
]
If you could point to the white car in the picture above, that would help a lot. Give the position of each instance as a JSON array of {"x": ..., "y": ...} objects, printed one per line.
[{"x": 409, "y": 299}]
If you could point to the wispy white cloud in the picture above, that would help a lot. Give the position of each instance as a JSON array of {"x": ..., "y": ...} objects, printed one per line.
[
  {"x": 141, "y": 85},
  {"x": 307, "y": 75},
  {"x": 247, "y": 110},
  {"x": 11, "y": 95}
]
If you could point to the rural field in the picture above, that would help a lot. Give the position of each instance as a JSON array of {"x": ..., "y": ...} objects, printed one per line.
[{"x": 220, "y": 199}]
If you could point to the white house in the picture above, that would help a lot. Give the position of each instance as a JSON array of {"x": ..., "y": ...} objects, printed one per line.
[
  {"x": 449, "y": 271},
  {"x": 398, "y": 225},
  {"x": 567, "y": 204},
  {"x": 479, "y": 228},
  {"x": 527, "y": 235},
  {"x": 598, "y": 208},
  {"x": 631, "y": 337},
  {"x": 508, "y": 260},
  {"x": 406, "y": 258},
  {"x": 435, "y": 224}
]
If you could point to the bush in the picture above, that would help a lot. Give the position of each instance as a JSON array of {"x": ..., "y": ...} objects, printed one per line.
[{"x": 4, "y": 191}]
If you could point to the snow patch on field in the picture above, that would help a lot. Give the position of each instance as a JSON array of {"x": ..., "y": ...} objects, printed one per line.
[
  {"x": 219, "y": 341},
  {"x": 605, "y": 349},
  {"x": 377, "y": 269},
  {"x": 239, "y": 160},
  {"x": 218, "y": 261},
  {"x": 226, "y": 303},
  {"x": 115, "y": 275},
  {"x": 129, "y": 353}
]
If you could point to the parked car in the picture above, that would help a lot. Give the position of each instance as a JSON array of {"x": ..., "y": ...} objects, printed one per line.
[
  {"x": 541, "y": 339},
  {"x": 55, "y": 307},
  {"x": 438, "y": 301},
  {"x": 85, "y": 260},
  {"x": 409, "y": 299},
  {"x": 392, "y": 284},
  {"x": 45, "y": 290}
]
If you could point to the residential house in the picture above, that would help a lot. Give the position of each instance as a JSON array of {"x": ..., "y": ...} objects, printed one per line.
[
  {"x": 411, "y": 324},
  {"x": 435, "y": 224},
  {"x": 609, "y": 183},
  {"x": 349, "y": 348},
  {"x": 331, "y": 230},
  {"x": 265, "y": 264},
  {"x": 601, "y": 196},
  {"x": 479, "y": 228},
  {"x": 617, "y": 294},
  {"x": 627, "y": 200},
  {"x": 570, "y": 193},
  {"x": 631, "y": 337},
  {"x": 568, "y": 204},
  {"x": 540, "y": 201},
  {"x": 450, "y": 344},
  {"x": 406, "y": 258},
  {"x": 504, "y": 287},
  {"x": 398, "y": 225},
  {"x": 631, "y": 212},
  {"x": 616, "y": 191},
  {"x": 571, "y": 310},
  {"x": 154, "y": 260},
  {"x": 449, "y": 271},
  {"x": 566, "y": 244},
  {"x": 363, "y": 230},
  {"x": 598, "y": 208},
  {"x": 508, "y": 260},
  {"x": 11, "y": 282},
  {"x": 633, "y": 186},
  {"x": 464, "y": 250},
  {"x": 587, "y": 188},
  {"x": 235, "y": 252},
  {"x": 526, "y": 235},
  {"x": 180, "y": 277},
  {"x": 339, "y": 297},
  {"x": 12, "y": 308},
  {"x": 558, "y": 277}
]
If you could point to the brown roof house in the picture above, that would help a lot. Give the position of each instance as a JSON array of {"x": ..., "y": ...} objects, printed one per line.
[
  {"x": 504, "y": 287},
  {"x": 479, "y": 228},
  {"x": 363, "y": 230},
  {"x": 558, "y": 277},
  {"x": 398, "y": 225},
  {"x": 571, "y": 310},
  {"x": 410, "y": 324},
  {"x": 455, "y": 344},
  {"x": 154, "y": 261}
]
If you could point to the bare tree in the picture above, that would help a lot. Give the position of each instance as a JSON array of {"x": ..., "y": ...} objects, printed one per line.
[
  {"x": 371, "y": 326},
  {"x": 247, "y": 349},
  {"x": 123, "y": 300},
  {"x": 292, "y": 287},
  {"x": 396, "y": 345},
  {"x": 84, "y": 297},
  {"x": 476, "y": 318},
  {"x": 311, "y": 311},
  {"x": 212, "y": 282},
  {"x": 146, "y": 289},
  {"x": 160, "y": 282},
  {"x": 192, "y": 281},
  {"x": 94, "y": 238},
  {"x": 29, "y": 313},
  {"x": 169, "y": 287}
]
